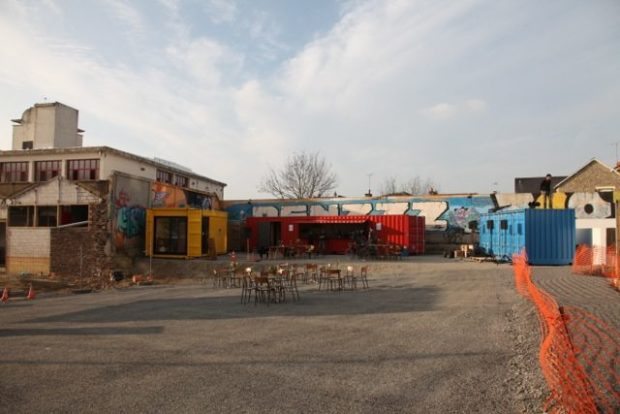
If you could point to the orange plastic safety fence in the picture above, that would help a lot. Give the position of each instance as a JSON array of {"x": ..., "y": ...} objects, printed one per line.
[
  {"x": 578, "y": 352},
  {"x": 596, "y": 261}
]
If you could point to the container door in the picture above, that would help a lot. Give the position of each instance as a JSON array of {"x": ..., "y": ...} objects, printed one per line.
[
  {"x": 205, "y": 235},
  {"x": 276, "y": 233},
  {"x": 2, "y": 243},
  {"x": 264, "y": 234}
]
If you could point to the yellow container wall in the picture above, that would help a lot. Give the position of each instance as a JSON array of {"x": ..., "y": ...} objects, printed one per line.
[
  {"x": 218, "y": 231},
  {"x": 194, "y": 230},
  {"x": 148, "y": 240},
  {"x": 218, "y": 228}
]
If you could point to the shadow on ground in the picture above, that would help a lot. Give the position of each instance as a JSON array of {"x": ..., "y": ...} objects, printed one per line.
[
  {"x": 229, "y": 307},
  {"x": 81, "y": 331}
]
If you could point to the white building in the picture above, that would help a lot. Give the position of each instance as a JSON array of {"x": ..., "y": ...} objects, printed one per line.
[{"x": 49, "y": 181}]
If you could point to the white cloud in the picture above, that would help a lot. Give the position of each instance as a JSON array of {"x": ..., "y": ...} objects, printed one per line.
[
  {"x": 399, "y": 88},
  {"x": 128, "y": 15},
  {"x": 206, "y": 60},
  {"x": 476, "y": 105},
  {"x": 445, "y": 111},
  {"x": 440, "y": 111},
  {"x": 221, "y": 11}
]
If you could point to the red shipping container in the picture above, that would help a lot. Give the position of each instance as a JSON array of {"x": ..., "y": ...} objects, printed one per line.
[{"x": 402, "y": 230}]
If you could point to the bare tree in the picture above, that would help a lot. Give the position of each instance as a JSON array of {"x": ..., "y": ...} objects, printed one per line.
[
  {"x": 305, "y": 175},
  {"x": 389, "y": 186},
  {"x": 416, "y": 186},
  {"x": 413, "y": 186}
]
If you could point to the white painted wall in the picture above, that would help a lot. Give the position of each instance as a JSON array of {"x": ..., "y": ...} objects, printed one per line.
[
  {"x": 109, "y": 163},
  {"x": 48, "y": 126},
  {"x": 28, "y": 241}
]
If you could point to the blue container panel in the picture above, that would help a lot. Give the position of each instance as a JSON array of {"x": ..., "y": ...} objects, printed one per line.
[
  {"x": 507, "y": 235},
  {"x": 550, "y": 238}
]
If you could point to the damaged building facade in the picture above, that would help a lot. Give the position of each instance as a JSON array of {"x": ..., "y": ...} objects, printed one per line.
[{"x": 80, "y": 211}]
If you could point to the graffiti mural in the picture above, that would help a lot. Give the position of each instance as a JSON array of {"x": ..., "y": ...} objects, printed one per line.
[
  {"x": 441, "y": 212},
  {"x": 131, "y": 197},
  {"x": 586, "y": 205},
  {"x": 170, "y": 196}
]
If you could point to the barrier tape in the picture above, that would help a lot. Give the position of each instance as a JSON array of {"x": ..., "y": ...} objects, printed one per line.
[
  {"x": 579, "y": 353},
  {"x": 598, "y": 261}
]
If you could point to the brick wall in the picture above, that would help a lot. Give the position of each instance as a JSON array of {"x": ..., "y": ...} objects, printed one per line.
[
  {"x": 79, "y": 253},
  {"x": 592, "y": 176},
  {"x": 28, "y": 250}
]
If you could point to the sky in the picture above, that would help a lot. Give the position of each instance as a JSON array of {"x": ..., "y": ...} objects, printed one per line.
[{"x": 468, "y": 93}]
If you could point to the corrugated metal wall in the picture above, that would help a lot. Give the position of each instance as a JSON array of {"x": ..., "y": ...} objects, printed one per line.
[
  {"x": 548, "y": 236},
  {"x": 395, "y": 229},
  {"x": 218, "y": 228}
]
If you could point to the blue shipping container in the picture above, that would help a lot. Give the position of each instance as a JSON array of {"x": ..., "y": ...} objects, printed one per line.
[{"x": 547, "y": 235}]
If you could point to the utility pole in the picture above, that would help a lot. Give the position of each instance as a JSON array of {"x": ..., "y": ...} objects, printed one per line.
[
  {"x": 617, "y": 205},
  {"x": 369, "y": 192}
]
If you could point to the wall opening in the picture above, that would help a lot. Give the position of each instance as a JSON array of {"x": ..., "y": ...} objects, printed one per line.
[
  {"x": 170, "y": 235},
  {"x": 21, "y": 216},
  {"x": 73, "y": 214}
]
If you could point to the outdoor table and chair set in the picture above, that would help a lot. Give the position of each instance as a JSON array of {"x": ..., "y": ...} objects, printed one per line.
[{"x": 274, "y": 283}]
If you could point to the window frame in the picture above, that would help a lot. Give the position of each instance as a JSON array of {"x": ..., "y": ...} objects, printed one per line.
[
  {"x": 163, "y": 176},
  {"x": 181, "y": 181},
  {"x": 54, "y": 171},
  {"x": 83, "y": 165},
  {"x": 9, "y": 171}
]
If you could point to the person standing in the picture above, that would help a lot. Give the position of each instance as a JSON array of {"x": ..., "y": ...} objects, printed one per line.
[{"x": 545, "y": 190}]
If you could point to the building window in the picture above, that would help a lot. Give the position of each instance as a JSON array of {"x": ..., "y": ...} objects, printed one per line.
[
  {"x": 181, "y": 181},
  {"x": 73, "y": 214},
  {"x": 14, "y": 172},
  {"x": 27, "y": 145},
  {"x": 46, "y": 216},
  {"x": 46, "y": 170},
  {"x": 22, "y": 216},
  {"x": 164, "y": 177},
  {"x": 83, "y": 169},
  {"x": 170, "y": 235}
]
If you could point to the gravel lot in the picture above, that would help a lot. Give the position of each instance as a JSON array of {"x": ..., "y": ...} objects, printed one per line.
[
  {"x": 591, "y": 293},
  {"x": 431, "y": 335}
]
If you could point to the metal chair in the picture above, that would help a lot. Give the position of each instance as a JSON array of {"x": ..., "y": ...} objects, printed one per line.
[{"x": 364, "y": 276}]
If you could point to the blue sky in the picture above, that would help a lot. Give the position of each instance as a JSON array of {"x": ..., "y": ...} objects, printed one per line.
[{"x": 469, "y": 93}]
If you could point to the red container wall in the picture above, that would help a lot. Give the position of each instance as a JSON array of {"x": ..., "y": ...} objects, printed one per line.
[
  {"x": 406, "y": 231},
  {"x": 395, "y": 229}
]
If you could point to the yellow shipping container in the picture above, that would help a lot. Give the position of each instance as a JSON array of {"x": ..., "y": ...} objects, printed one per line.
[{"x": 185, "y": 232}]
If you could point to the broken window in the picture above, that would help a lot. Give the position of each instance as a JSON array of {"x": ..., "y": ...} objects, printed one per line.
[
  {"x": 14, "y": 172},
  {"x": 46, "y": 216},
  {"x": 73, "y": 214},
  {"x": 181, "y": 181},
  {"x": 164, "y": 177},
  {"x": 83, "y": 169},
  {"x": 21, "y": 216},
  {"x": 46, "y": 170}
]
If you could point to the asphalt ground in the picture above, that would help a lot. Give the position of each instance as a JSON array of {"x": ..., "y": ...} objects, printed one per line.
[{"x": 431, "y": 335}]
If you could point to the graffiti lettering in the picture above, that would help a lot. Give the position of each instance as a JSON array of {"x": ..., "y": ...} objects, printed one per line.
[{"x": 356, "y": 209}]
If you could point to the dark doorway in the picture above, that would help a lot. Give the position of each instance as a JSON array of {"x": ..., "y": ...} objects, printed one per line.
[
  {"x": 205, "y": 235},
  {"x": 170, "y": 235},
  {"x": 2, "y": 243},
  {"x": 269, "y": 234}
]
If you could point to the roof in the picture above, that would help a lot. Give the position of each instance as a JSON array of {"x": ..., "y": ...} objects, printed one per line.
[
  {"x": 579, "y": 171},
  {"x": 438, "y": 197},
  {"x": 8, "y": 189},
  {"x": 109, "y": 150}
]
